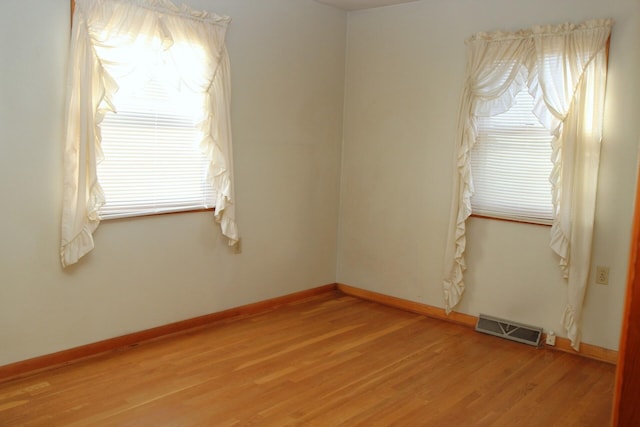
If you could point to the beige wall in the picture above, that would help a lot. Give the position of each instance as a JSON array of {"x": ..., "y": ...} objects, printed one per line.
[
  {"x": 405, "y": 69},
  {"x": 287, "y": 60}
]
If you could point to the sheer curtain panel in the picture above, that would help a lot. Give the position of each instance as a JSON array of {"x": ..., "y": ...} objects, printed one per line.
[
  {"x": 116, "y": 44},
  {"x": 564, "y": 69}
]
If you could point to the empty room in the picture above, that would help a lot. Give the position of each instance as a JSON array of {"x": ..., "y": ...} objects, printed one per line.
[{"x": 365, "y": 183}]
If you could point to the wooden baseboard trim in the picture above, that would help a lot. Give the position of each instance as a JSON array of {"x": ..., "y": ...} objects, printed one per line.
[
  {"x": 66, "y": 357},
  {"x": 562, "y": 344},
  {"x": 587, "y": 350},
  {"x": 414, "y": 307}
]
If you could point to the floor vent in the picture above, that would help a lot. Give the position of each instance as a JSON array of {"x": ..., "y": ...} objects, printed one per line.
[{"x": 509, "y": 330}]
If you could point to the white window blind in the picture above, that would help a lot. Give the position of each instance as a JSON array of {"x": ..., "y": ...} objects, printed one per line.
[
  {"x": 152, "y": 159},
  {"x": 511, "y": 165}
]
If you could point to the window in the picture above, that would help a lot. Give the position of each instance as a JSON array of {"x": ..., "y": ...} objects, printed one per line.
[
  {"x": 564, "y": 68},
  {"x": 511, "y": 165},
  {"x": 153, "y": 162},
  {"x": 165, "y": 70}
]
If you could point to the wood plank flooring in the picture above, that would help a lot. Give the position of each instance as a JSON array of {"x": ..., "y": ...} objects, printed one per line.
[{"x": 329, "y": 360}]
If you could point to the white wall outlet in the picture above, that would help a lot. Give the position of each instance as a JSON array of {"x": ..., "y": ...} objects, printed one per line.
[
  {"x": 602, "y": 275},
  {"x": 551, "y": 338}
]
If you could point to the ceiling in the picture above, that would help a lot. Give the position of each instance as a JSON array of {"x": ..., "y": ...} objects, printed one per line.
[{"x": 362, "y": 4}]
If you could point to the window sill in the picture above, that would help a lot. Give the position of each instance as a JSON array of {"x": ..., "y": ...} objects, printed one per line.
[
  {"x": 510, "y": 220},
  {"x": 116, "y": 218}
]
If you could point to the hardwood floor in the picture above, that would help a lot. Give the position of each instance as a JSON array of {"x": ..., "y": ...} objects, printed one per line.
[{"x": 326, "y": 361}]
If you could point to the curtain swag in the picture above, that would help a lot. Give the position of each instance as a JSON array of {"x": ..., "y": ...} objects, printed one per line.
[
  {"x": 564, "y": 68},
  {"x": 115, "y": 43}
]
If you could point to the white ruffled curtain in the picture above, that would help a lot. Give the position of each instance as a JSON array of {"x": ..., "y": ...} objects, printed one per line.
[
  {"x": 564, "y": 68},
  {"x": 117, "y": 44}
]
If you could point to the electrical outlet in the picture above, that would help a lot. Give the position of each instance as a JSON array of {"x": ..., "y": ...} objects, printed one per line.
[
  {"x": 602, "y": 275},
  {"x": 551, "y": 338}
]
